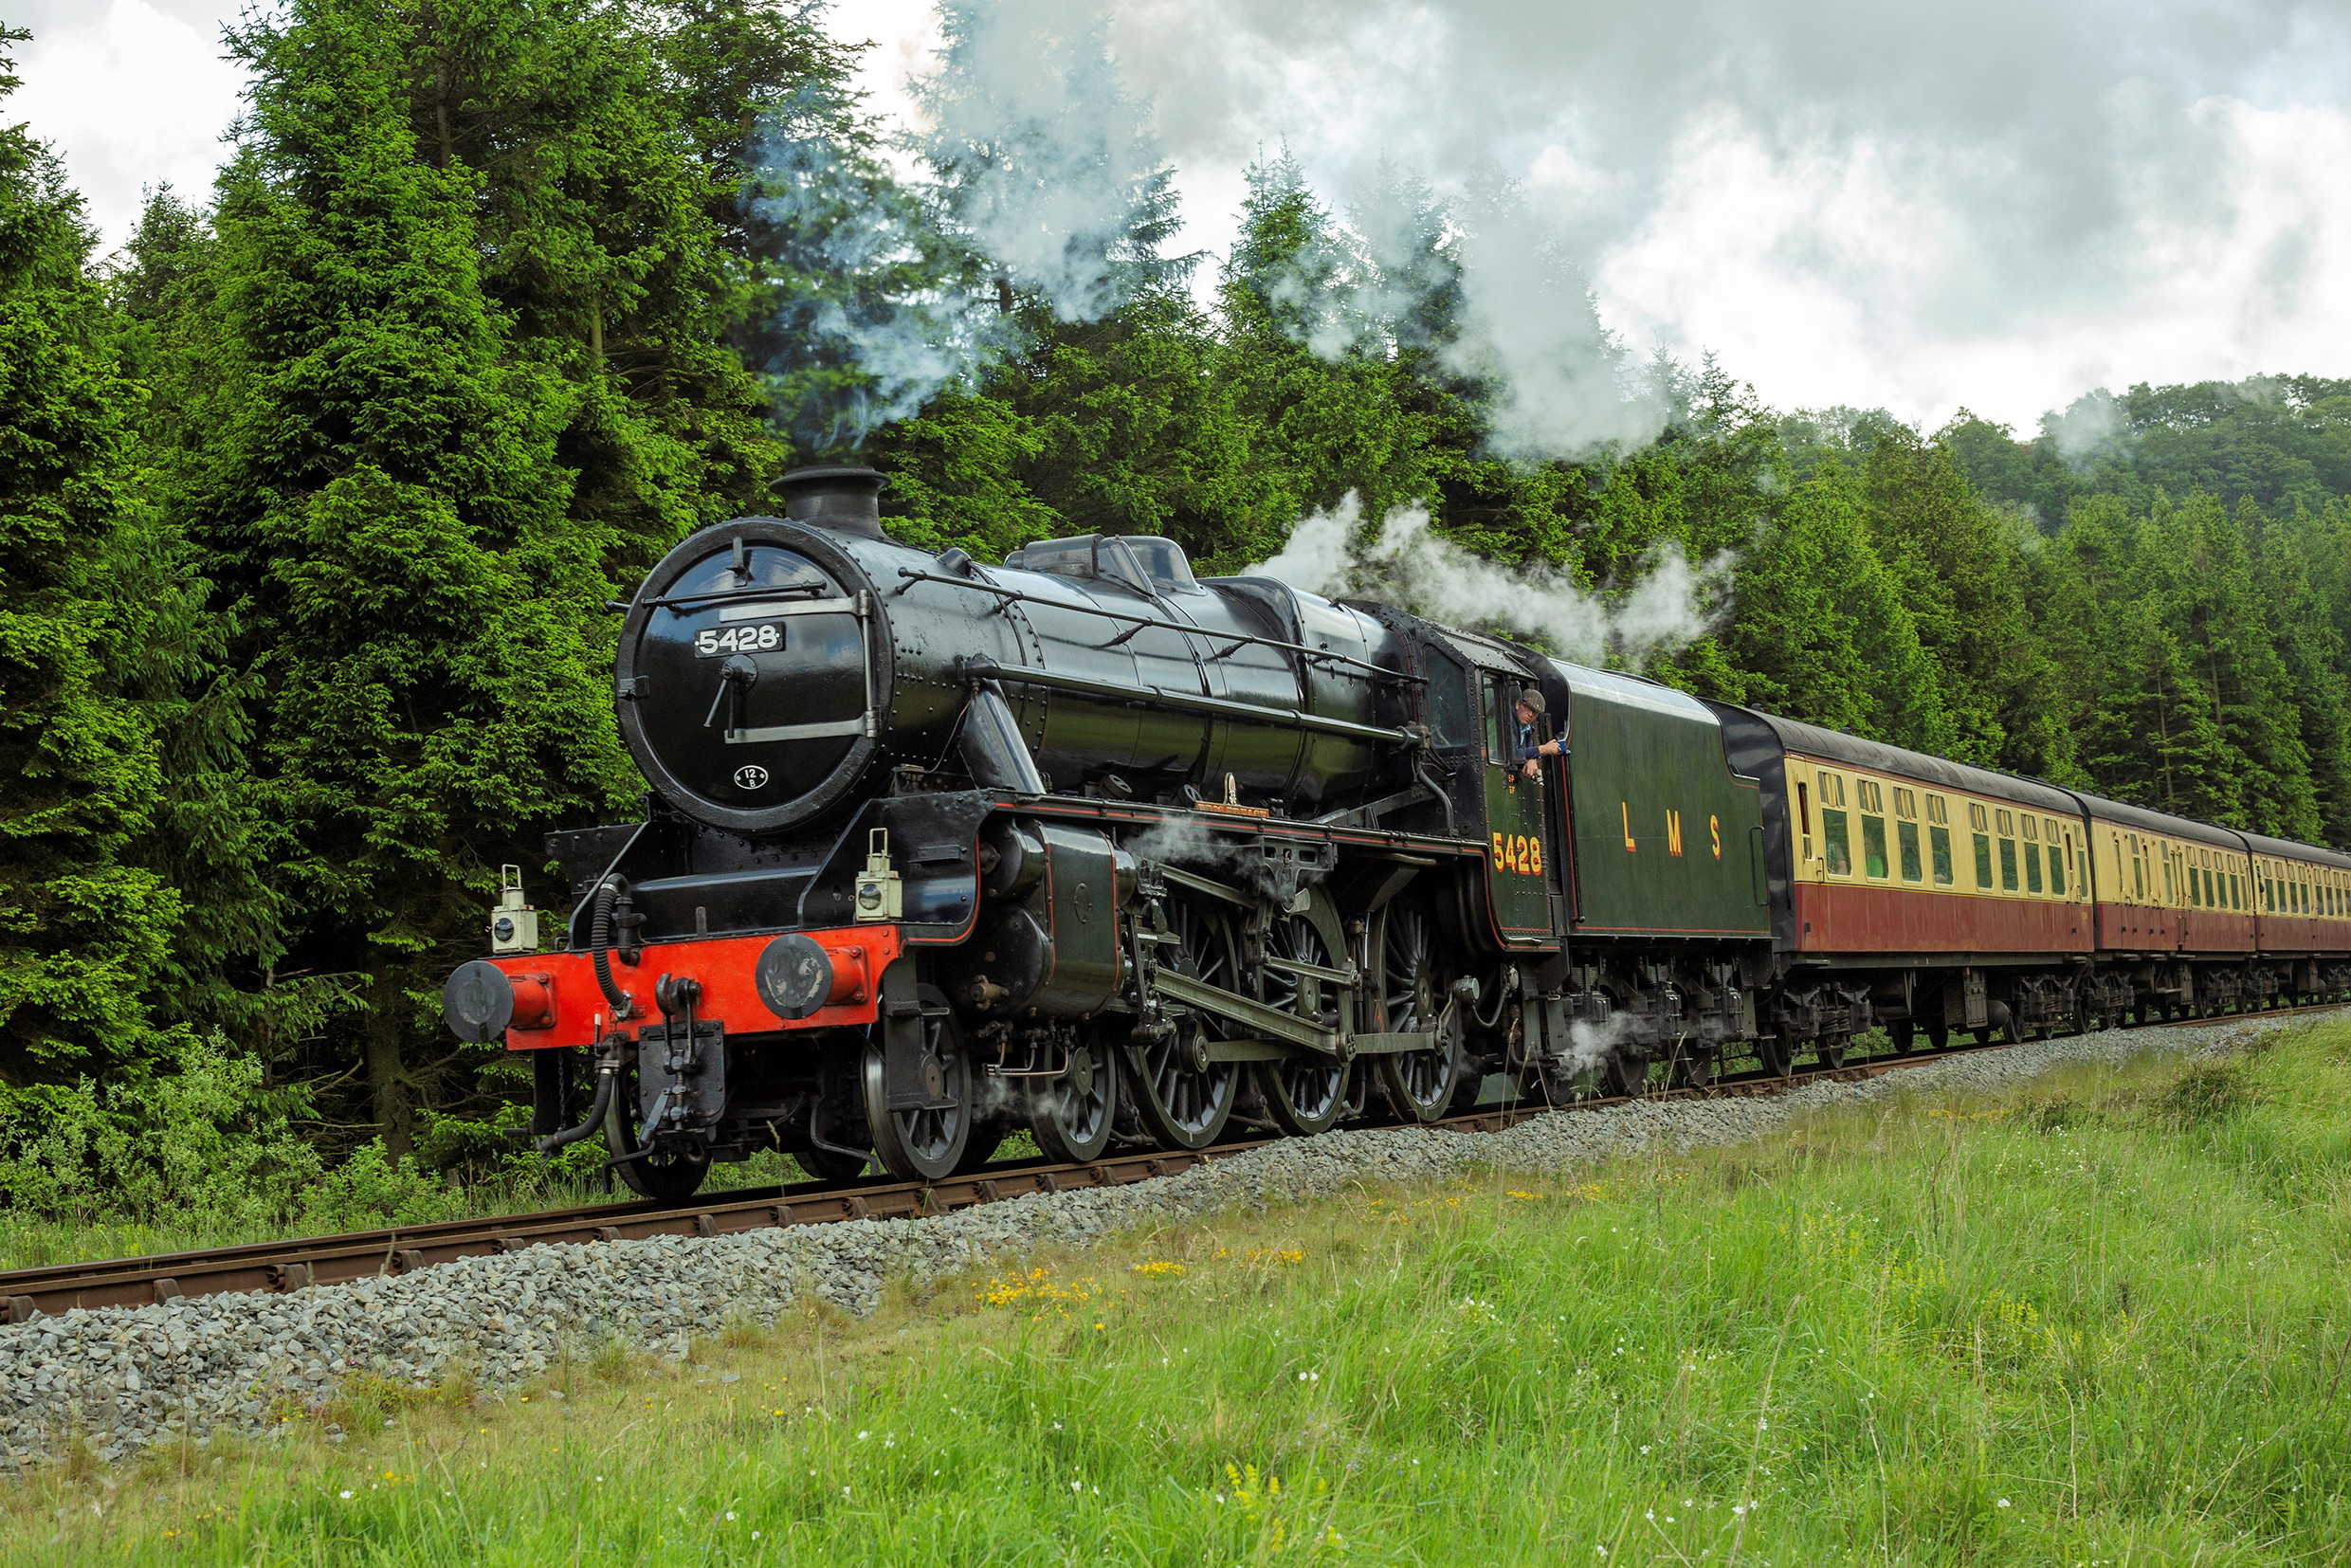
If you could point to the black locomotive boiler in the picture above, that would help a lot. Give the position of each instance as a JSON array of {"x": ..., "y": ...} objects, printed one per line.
[{"x": 936, "y": 850}]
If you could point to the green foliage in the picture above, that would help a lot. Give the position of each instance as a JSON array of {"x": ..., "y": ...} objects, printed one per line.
[{"x": 83, "y": 927}]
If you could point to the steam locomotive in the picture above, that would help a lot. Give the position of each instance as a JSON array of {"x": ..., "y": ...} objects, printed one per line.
[{"x": 937, "y": 850}]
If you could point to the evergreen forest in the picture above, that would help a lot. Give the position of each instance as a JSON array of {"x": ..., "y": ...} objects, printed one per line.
[{"x": 314, "y": 493}]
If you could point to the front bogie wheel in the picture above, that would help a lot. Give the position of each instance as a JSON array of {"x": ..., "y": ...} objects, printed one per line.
[
  {"x": 1071, "y": 1115},
  {"x": 665, "y": 1175},
  {"x": 928, "y": 1141}
]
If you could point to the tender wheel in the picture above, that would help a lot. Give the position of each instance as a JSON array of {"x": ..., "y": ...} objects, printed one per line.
[
  {"x": 1939, "y": 1035},
  {"x": 1419, "y": 1085},
  {"x": 1303, "y": 1094},
  {"x": 1626, "y": 1074},
  {"x": 1693, "y": 1073},
  {"x": 1902, "y": 1036},
  {"x": 924, "y": 1145},
  {"x": 1071, "y": 1115},
  {"x": 1832, "y": 1050},
  {"x": 1778, "y": 1052},
  {"x": 1180, "y": 1100},
  {"x": 664, "y": 1176}
]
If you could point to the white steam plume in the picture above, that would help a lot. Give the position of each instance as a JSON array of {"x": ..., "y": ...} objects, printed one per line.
[
  {"x": 1046, "y": 164},
  {"x": 1406, "y": 563}
]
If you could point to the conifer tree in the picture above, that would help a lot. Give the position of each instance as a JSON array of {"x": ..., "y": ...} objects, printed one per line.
[
  {"x": 1821, "y": 632},
  {"x": 2202, "y": 589},
  {"x": 1974, "y": 601},
  {"x": 387, "y": 517},
  {"x": 83, "y": 929},
  {"x": 1310, "y": 367}
]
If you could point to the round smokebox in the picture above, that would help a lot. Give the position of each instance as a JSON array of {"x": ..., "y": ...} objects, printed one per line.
[
  {"x": 478, "y": 1001},
  {"x": 794, "y": 976}
]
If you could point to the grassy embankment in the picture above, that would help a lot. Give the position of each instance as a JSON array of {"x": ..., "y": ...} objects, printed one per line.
[{"x": 2103, "y": 1321}]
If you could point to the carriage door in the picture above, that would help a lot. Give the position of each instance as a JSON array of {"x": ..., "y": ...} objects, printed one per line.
[{"x": 1521, "y": 873}]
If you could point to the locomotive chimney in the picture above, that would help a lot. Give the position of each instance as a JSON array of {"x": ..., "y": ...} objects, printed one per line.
[{"x": 843, "y": 497}]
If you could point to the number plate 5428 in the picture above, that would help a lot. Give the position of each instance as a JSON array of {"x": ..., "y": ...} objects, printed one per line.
[{"x": 717, "y": 642}]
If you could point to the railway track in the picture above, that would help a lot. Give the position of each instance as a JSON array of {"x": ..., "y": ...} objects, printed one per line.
[{"x": 332, "y": 1260}]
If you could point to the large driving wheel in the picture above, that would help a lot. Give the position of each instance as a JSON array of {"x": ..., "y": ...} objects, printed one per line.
[
  {"x": 665, "y": 1175},
  {"x": 1180, "y": 1100},
  {"x": 1071, "y": 1115},
  {"x": 1302, "y": 1094},
  {"x": 925, "y": 1144},
  {"x": 1419, "y": 1085}
]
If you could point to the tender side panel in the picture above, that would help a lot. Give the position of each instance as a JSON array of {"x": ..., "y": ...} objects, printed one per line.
[
  {"x": 1884, "y": 863},
  {"x": 1668, "y": 839}
]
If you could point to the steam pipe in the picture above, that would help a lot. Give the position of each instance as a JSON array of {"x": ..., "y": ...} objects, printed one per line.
[
  {"x": 992, "y": 750},
  {"x": 606, "y": 1079},
  {"x": 982, "y": 669},
  {"x": 600, "y": 948}
]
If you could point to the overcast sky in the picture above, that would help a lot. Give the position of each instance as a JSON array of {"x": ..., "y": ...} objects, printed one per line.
[{"x": 1998, "y": 205}]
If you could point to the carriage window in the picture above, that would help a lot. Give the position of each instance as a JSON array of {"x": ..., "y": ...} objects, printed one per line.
[
  {"x": 2212, "y": 894},
  {"x": 1873, "y": 845},
  {"x": 2008, "y": 822},
  {"x": 2056, "y": 871},
  {"x": 2033, "y": 830},
  {"x": 1906, "y": 835},
  {"x": 2008, "y": 866},
  {"x": 1905, "y": 803},
  {"x": 1983, "y": 860},
  {"x": 2032, "y": 865},
  {"x": 1976, "y": 818},
  {"x": 1937, "y": 810},
  {"x": 2171, "y": 893},
  {"x": 1870, "y": 796},
  {"x": 1804, "y": 816},
  {"x": 1833, "y": 842},
  {"x": 1939, "y": 843},
  {"x": 2195, "y": 888}
]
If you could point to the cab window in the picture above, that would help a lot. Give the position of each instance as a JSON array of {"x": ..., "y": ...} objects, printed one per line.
[{"x": 1449, "y": 699}]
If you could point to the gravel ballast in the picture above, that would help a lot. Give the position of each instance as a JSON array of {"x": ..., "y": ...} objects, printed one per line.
[{"x": 123, "y": 1378}]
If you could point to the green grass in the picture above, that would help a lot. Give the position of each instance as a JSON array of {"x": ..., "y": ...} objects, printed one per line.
[{"x": 2104, "y": 1320}]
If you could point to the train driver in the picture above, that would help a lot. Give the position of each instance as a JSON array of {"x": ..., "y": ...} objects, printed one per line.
[{"x": 1529, "y": 712}]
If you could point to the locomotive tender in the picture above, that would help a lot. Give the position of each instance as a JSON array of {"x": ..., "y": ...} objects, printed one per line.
[{"x": 936, "y": 850}]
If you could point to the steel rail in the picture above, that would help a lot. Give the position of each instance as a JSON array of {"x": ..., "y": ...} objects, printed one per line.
[{"x": 291, "y": 1265}]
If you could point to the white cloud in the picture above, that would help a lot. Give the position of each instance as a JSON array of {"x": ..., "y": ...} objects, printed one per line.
[
  {"x": 131, "y": 94},
  {"x": 1912, "y": 204}
]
